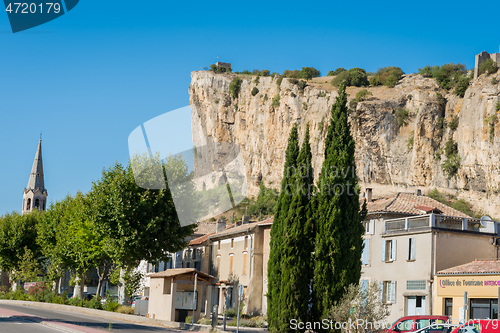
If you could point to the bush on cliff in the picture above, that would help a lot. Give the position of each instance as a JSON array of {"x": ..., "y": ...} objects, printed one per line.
[
  {"x": 387, "y": 76},
  {"x": 234, "y": 87},
  {"x": 353, "y": 77},
  {"x": 488, "y": 66}
]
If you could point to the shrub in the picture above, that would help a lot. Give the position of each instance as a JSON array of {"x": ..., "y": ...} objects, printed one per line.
[
  {"x": 94, "y": 303},
  {"x": 75, "y": 301},
  {"x": 438, "y": 196},
  {"x": 462, "y": 85},
  {"x": 491, "y": 120},
  {"x": 488, "y": 66},
  {"x": 387, "y": 76},
  {"x": 451, "y": 165},
  {"x": 441, "y": 125},
  {"x": 257, "y": 80},
  {"x": 220, "y": 69},
  {"x": 465, "y": 207},
  {"x": 450, "y": 148},
  {"x": 292, "y": 94},
  {"x": 255, "y": 91},
  {"x": 409, "y": 97},
  {"x": 494, "y": 80},
  {"x": 497, "y": 106},
  {"x": 276, "y": 101},
  {"x": 309, "y": 72},
  {"x": 362, "y": 95},
  {"x": 295, "y": 74},
  {"x": 279, "y": 80},
  {"x": 336, "y": 72},
  {"x": 342, "y": 77},
  {"x": 265, "y": 98},
  {"x": 110, "y": 305},
  {"x": 441, "y": 100},
  {"x": 453, "y": 124},
  {"x": 321, "y": 124},
  {"x": 58, "y": 299},
  {"x": 322, "y": 94},
  {"x": 402, "y": 116},
  {"x": 234, "y": 87},
  {"x": 125, "y": 309},
  {"x": 257, "y": 322},
  {"x": 231, "y": 312},
  {"x": 411, "y": 140},
  {"x": 304, "y": 105},
  {"x": 446, "y": 75}
]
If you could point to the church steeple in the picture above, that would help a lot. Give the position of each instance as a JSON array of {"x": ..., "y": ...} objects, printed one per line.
[{"x": 35, "y": 194}]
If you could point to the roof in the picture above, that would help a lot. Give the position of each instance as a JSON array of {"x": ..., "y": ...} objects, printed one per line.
[
  {"x": 179, "y": 271},
  {"x": 475, "y": 267},
  {"x": 200, "y": 240},
  {"x": 408, "y": 203},
  {"x": 36, "y": 177}
]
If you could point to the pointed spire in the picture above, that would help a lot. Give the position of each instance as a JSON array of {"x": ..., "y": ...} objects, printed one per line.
[{"x": 36, "y": 180}]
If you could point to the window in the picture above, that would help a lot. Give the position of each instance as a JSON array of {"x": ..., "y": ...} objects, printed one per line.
[
  {"x": 194, "y": 254},
  {"x": 37, "y": 203},
  {"x": 415, "y": 284},
  {"x": 231, "y": 256},
  {"x": 389, "y": 250},
  {"x": 448, "y": 306},
  {"x": 364, "y": 285},
  {"x": 245, "y": 258},
  {"x": 218, "y": 245},
  {"x": 370, "y": 227},
  {"x": 387, "y": 292},
  {"x": 246, "y": 242},
  {"x": 188, "y": 265},
  {"x": 365, "y": 257},
  {"x": 411, "y": 248},
  {"x": 28, "y": 205},
  {"x": 232, "y": 242}
]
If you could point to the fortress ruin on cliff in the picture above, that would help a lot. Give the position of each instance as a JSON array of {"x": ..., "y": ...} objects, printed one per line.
[{"x": 483, "y": 56}]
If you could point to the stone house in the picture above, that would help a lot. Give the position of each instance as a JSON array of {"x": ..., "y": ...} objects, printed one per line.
[{"x": 409, "y": 238}]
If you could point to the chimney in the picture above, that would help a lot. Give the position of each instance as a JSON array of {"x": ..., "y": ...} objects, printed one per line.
[
  {"x": 419, "y": 193},
  {"x": 369, "y": 195},
  {"x": 245, "y": 219},
  {"x": 221, "y": 226}
]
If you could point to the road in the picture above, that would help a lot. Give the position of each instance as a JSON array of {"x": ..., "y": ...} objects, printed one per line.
[{"x": 24, "y": 322}]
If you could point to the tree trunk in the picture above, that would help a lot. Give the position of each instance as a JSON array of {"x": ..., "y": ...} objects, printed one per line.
[
  {"x": 102, "y": 272},
  {"x": 78, "y": 290},
  {"x": 123, "y": 298}
]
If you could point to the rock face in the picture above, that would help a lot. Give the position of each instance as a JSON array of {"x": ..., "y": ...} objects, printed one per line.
[{"x": 388, "y": 160}]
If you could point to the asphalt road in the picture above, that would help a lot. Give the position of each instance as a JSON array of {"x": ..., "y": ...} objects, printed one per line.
[
  {"x": 19, "y": 325},
  {"x": 14, "y": 324}
]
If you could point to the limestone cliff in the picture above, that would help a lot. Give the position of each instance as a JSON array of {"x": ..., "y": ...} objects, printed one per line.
[{"x": 386, "y": 161}]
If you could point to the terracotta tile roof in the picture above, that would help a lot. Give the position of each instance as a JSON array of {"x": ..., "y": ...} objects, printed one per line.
[
  {"x": 179, "y": 271},
  {"x": 407, "y": 203},
  {"x": 199, "y": 240},
  {"x": 475, "y": 267}
]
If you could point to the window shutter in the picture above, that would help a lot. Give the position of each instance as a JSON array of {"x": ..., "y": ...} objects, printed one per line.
[
  {"x": 384, "y": 246},
  {"x": 393, "y": 292},
  {"x": 412, "y": 248},
  {"x": 371, "y": 227},
  {"x": 393, "y": 250},
  {"x": 381, "y": 291},
  {"x": 365, "y": 257}
]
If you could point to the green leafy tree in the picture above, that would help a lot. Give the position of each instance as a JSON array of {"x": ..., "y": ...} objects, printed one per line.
[
  {"x": 488, "y": 66},
  {"x": 29, "y": 267},
  {"x": 360, "y": 304},
  {"x": 265, "y": 203},
  {"x": 309, "y": 72},
  {"x": 235, "y": 86},
  {"x": 275, "y": 320},
  {"x": 17, "y": 232},
  {"x": 297, "y": 244},
  {"x": 139, "y": 223},
  {"x": 339, "y": 229}
]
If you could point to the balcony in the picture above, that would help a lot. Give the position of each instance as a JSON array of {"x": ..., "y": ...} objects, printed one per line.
[{"x": 422, "y": 222}]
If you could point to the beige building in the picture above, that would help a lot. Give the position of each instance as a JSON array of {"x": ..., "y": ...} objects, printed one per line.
[
  {"x": 171, "y": 294},
  {"x": 481, "y": 281},
  {"x": 411, "y": 237},
  {"x": 233, "y": 256}
]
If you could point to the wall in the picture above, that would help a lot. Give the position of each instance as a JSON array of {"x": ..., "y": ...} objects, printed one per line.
[
  {"x": 456, "y": 292},
  {"x": 160, "y": 304}
]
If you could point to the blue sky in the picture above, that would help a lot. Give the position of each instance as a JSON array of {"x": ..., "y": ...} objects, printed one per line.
[{"x": 90, "y": 77}]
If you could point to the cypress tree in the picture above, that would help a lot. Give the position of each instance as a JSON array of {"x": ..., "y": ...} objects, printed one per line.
[
  {"x": 297, "y": 245},
  {"x": 338, "y": 241},
  {"x": 281, "y": 211}
]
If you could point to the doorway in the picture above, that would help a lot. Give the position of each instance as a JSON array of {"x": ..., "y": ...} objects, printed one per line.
[{"x": 415, "y": 305}]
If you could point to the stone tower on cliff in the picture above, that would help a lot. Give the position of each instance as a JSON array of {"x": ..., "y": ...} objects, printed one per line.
[{"x": 35, "y": 194}]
